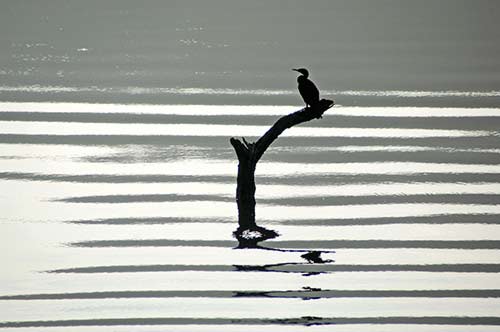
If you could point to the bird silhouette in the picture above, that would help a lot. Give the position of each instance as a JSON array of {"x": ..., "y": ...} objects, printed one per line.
[{"x": 307, "y": 88}]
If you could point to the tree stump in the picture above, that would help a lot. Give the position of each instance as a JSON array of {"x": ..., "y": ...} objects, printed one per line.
[{"x": 249, "y": 154}]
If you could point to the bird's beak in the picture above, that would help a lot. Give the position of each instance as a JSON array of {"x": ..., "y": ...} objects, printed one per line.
[{"x": 295, "y": 69}]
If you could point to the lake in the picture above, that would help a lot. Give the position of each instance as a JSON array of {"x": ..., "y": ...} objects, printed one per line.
[
  {"x": 121, "y": 215},
  {"x": 118, "y": 179}
]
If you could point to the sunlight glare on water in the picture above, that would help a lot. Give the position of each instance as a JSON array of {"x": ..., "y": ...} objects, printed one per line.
[
  {"x": 118, "y": 177},
  {"x": 149, "y": 215}
]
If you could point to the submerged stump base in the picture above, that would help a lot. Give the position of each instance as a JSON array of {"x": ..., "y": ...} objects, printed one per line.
[{"x": 250, "y": 237}]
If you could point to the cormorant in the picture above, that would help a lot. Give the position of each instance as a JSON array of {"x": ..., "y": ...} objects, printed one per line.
[{"x": 307, "y": 89}]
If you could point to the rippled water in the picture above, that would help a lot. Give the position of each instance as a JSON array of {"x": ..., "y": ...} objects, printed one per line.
[{"x": 120, "y": 217}]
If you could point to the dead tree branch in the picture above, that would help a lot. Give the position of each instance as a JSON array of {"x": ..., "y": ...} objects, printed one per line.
[{"x": 250, "y": 153}]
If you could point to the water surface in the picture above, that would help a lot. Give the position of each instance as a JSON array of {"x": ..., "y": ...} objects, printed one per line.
[{"x": 111, "y": 221}]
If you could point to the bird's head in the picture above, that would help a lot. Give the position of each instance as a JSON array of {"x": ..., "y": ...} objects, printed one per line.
[{"x": 303, "y": 71}]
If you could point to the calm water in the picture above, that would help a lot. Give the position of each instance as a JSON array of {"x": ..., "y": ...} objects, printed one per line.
[
  {"x": 118, "y": 179},
  {"x": 360, "y": 52}
]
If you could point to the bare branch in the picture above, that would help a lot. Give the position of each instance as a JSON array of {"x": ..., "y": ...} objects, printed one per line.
[
  {"x": 289, "y": 121},
  {"x": 248, "y": 156}
]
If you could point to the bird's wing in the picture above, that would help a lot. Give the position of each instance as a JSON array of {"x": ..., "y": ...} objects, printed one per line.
[
  {"x": 309, "y": 91},
  {"x": 313, "y": 89}
]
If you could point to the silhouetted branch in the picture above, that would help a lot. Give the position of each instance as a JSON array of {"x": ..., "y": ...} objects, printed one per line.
[
  {"x": 248, "y": 155},
  {"x": 288, "y": 121}
]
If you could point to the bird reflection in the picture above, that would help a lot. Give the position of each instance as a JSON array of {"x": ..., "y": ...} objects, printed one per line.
[
  {"x": 314, "y": 257},
  {"x": 311, "y": 256}
]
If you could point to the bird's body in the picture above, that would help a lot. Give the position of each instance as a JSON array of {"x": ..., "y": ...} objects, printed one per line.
[{"x": 307, "y": 88}]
